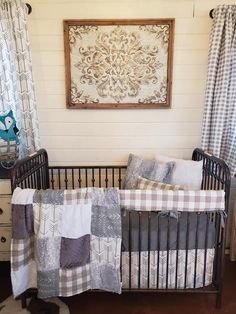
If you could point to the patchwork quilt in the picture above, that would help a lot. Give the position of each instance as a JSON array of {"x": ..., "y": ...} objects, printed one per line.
[{"x": 67, "y": 242}]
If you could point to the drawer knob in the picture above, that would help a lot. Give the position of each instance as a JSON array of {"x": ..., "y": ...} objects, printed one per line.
[
  {"x": 3, "y": 239},
  {"x": 1, "y": 211}
]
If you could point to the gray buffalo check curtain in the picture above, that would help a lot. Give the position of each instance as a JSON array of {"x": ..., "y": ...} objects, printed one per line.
[
  {"x": 16, "y": 81},
  {"x": 219, "y": 121}
]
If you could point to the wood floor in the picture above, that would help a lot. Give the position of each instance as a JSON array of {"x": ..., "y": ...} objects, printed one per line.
[{"x": 134, "y": 303}]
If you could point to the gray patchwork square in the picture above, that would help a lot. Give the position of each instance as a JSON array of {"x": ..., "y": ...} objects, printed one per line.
[
  {"x": 106, "y": 221},
  {"x": 75, "y": 252},
  {"x": 49, "y": 197},
  {"x": 48, "y": 283},
  {"x": 106, "y": 217},
  {"x": 105, "y": 197},
  {"x": 47, "y": 253},
  {"x": 22, "y": 221},
  {"x": 106, "y": 277}
]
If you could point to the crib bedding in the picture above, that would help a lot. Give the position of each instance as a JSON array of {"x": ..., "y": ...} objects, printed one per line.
[
  {"x": 200, "y": 245},
  {"x": 81, "y": 267},
  {"x": 149, "y": 268}
]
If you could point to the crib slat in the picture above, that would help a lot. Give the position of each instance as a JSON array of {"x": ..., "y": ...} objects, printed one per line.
[
  {"x": 86, "y": 177},
  {"x": 205, "y": 251},
  {"x": 177, "y": 255},
  {"x": 130, "y": 250},
  {"x": 168, "y": 249},
  {"x": 59, "y": 178},
  {"x": 139, "y": 247},
  {"x": 42, "y": 176},
  {"x": 149, "y": 246},
  {"x": 31, "y": 179},
  {"x": 73, "y": 179},
  {"x": 106, "y": 179},
  {"x": 119, "y": 180},
  {"x": 93, "y": 179},
  {"x": 52, "y": 178},
  {"x": 217, "y": 228},
  {"x": 186, "y": 253},
  {"x": 113, "y": 177},
  {"x": 158, "y": 248},
  {"x": 66, "y": 180},
  {"x": 28, "y": 178},
  {"x": 79, "y": 180},
  {"x": 196, "y": 250}
]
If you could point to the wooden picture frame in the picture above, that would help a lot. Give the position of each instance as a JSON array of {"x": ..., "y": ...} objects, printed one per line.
[{"x": 121, "y": 64}]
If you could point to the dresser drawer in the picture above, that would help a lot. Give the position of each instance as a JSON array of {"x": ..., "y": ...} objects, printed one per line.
[
  {"x": 5, "y": 210},
  {"x": 5, "y": 186},
  {"x": 5, "y": 239},
  {"x": 4, "y": 256}
]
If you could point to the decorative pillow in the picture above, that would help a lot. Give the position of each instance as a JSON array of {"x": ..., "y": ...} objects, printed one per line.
[
  {"x": 150, "y": 169},
  {"x": 187, "y": 173},
  {"x": 145, "y": 184}
]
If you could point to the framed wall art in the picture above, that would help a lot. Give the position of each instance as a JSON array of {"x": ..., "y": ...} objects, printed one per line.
[{"x": 118, "y": 63}]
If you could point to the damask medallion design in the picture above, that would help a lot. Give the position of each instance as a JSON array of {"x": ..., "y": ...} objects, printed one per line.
[{"x": 118, "y": 65}]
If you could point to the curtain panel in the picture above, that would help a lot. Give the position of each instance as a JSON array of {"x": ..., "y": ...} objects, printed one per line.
[
  {"x": 17, "y": 92},
  {"x": 219, "y": 120}
]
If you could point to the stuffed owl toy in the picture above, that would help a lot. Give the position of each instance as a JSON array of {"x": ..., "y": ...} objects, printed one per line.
[{"x": 8, "y": 128}]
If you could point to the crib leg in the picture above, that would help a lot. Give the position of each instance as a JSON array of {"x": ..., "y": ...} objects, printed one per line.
[
  {"x": 218, "y": 300},
  {"x": 23, "y": 301},
  {"x": 30, "y": 293}
]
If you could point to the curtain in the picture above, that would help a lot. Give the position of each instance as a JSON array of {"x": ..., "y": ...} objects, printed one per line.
[
  {"x": 219, "y": 120},
  {"x": 17, "y": 91}
]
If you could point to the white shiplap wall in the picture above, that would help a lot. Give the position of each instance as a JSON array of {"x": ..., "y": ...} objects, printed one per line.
[{"x": 107, "y": 136}]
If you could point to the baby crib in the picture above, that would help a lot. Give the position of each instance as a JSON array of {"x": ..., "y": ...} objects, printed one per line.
[{"x": 197, "y": 229}]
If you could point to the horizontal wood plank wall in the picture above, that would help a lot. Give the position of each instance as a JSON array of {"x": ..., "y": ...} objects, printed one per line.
[{"x": 106, "y": 137}]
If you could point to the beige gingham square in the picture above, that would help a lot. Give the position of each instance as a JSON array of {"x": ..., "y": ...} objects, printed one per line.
[
  {"x": 78, "y": 196},
  {"x": 22, "y": 251},
  {"x": 74, "y": 281},
  {"x": 146, "y": 184}
]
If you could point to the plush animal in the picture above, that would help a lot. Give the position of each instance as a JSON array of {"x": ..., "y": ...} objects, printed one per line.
[{"x": 8, "y": 128}]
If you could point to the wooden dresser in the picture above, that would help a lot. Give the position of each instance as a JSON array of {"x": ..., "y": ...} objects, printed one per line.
[{"x": 5, "y": 215}]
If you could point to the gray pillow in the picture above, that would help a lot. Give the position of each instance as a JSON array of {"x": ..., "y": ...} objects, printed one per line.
[{"x": 149, "y": 169}]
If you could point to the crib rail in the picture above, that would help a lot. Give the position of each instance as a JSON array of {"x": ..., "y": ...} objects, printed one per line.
[
  {"x": 86, "y": 176},
  {"x": 31, "y": 172},
  {"x": 34, "y": 172},
  {"x": 216, "y": 174}
]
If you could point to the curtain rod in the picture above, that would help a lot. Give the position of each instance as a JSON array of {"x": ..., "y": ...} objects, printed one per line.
[
  {"x": 211, "y": 13},
  {"x": 29, "y": 8}
]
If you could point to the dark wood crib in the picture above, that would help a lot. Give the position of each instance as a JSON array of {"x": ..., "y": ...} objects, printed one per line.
[{"x": 35, "y": 172}]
